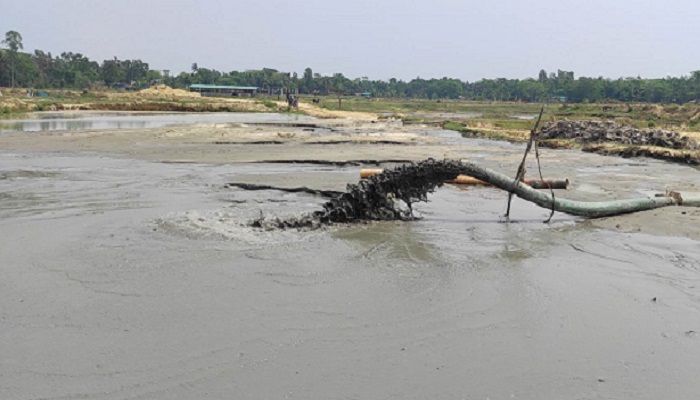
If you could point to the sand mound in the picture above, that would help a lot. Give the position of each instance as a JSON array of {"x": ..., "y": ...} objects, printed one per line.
[
  {"x": 319, "y": 112},
  {"x": 15, "y": 105},
  {"x": 167, "y": 91}
]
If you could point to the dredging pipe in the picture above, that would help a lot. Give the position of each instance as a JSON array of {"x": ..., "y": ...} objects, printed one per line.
[
  {"x": 374, "y": 198},
  {"x": 588, "y": 209}
]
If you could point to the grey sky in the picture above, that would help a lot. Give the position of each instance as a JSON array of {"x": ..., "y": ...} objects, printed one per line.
[{"x": 376, "y": 38}]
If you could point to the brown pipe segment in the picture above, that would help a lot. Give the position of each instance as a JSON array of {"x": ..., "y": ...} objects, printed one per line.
[{"x": 468, "y": 180}]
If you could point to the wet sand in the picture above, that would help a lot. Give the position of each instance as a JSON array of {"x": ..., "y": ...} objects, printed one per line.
[{"x": 128, "y": 277}]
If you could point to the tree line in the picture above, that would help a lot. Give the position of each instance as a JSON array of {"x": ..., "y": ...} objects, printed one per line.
[{"x": 76, "y": 71}]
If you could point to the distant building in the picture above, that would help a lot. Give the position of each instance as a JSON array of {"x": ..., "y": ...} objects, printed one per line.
[{"x": 224, "y": 90}]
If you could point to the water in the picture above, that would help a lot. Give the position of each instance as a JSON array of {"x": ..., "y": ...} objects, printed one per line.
[
  {"x": 124, "y": 278},
  {"x": 61, "y": 121}
]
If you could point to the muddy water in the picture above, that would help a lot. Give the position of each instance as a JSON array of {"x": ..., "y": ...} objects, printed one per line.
[
  {"x": 66, "y": 121},
  {"x": 130, "y": 279}
]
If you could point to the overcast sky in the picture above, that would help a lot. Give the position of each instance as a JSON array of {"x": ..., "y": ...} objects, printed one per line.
[{"x": 376, "y": 38}]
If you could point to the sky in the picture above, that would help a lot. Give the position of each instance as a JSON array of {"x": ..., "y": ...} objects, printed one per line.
[{"x": 379, "y": 39}]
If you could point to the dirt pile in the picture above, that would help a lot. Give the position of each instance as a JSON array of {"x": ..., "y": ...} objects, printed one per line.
[
  {"x": 609, "y": 131},
  {"x": 318, "y": 112},
  {"x": 167, "y": 91}
]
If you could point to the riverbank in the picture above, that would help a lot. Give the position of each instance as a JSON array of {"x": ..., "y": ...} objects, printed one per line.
[
  {"x": 514, "y": 116},
  {"x": 15, "y": 103},
  {"x": 621, "y": 141},
  {"x": 488, "y": 120}
]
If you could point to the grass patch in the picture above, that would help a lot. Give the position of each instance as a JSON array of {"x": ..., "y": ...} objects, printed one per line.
[
  {"x": 453, "y": 126},
  {"x": 269, "y": 104}
]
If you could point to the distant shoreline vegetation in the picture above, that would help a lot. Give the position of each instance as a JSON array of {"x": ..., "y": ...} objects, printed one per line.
[{"x": 75, "y": 71}]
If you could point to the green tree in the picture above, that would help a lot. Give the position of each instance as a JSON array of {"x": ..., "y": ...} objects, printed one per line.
[
  {"x": 694, "y": 86},
  {"x": 111, "y": 72},
  {"x": 13, "y": 41},
  {"x": 135, "y": 71},
  {"x": 45, "y": 67},
  {"x": 307, "y": 84}
]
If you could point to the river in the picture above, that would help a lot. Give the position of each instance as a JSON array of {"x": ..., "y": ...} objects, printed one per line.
[
  {"x": 126, "y": 278},
  {"x": 77, "y": 121}
]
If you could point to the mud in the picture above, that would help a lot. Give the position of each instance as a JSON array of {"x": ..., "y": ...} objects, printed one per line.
[
  {"x": 392, "y": 142},
  {"x": 387, "y": 196},
  {"x": 128, "y": 277},
  {"x": 248, "y": 142},
  {"x": 683, "y": 157},
  {"x": 26, "y": 174},
  {"x": 303, "y": 189},
  {"x": 336, "y": 163}
]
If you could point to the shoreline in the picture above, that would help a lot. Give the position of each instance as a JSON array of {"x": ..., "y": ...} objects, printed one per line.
[{"x": 487, "y": 120}]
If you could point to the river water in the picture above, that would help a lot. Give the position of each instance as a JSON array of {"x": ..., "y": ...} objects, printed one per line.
[
  {"x": 76, "y": 121},
  {"x": 130, "y": 279}
]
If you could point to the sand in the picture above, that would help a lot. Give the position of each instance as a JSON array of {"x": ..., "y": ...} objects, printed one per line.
[{"x": 167, "y": 91}]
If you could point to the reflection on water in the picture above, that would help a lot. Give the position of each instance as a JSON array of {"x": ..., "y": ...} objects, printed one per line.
[{"x": 46, "y": 122}]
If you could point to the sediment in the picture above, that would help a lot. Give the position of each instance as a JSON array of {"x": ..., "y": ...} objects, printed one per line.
[
  {"x": 316, "y": 142},
  {"x": 678, "y": 156},
  {"x": 335, "y": 163},
  {"x": 609, "y": 131},
  {"x": 301, "y": 189},
  {"x": 377, "y": 198}
]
